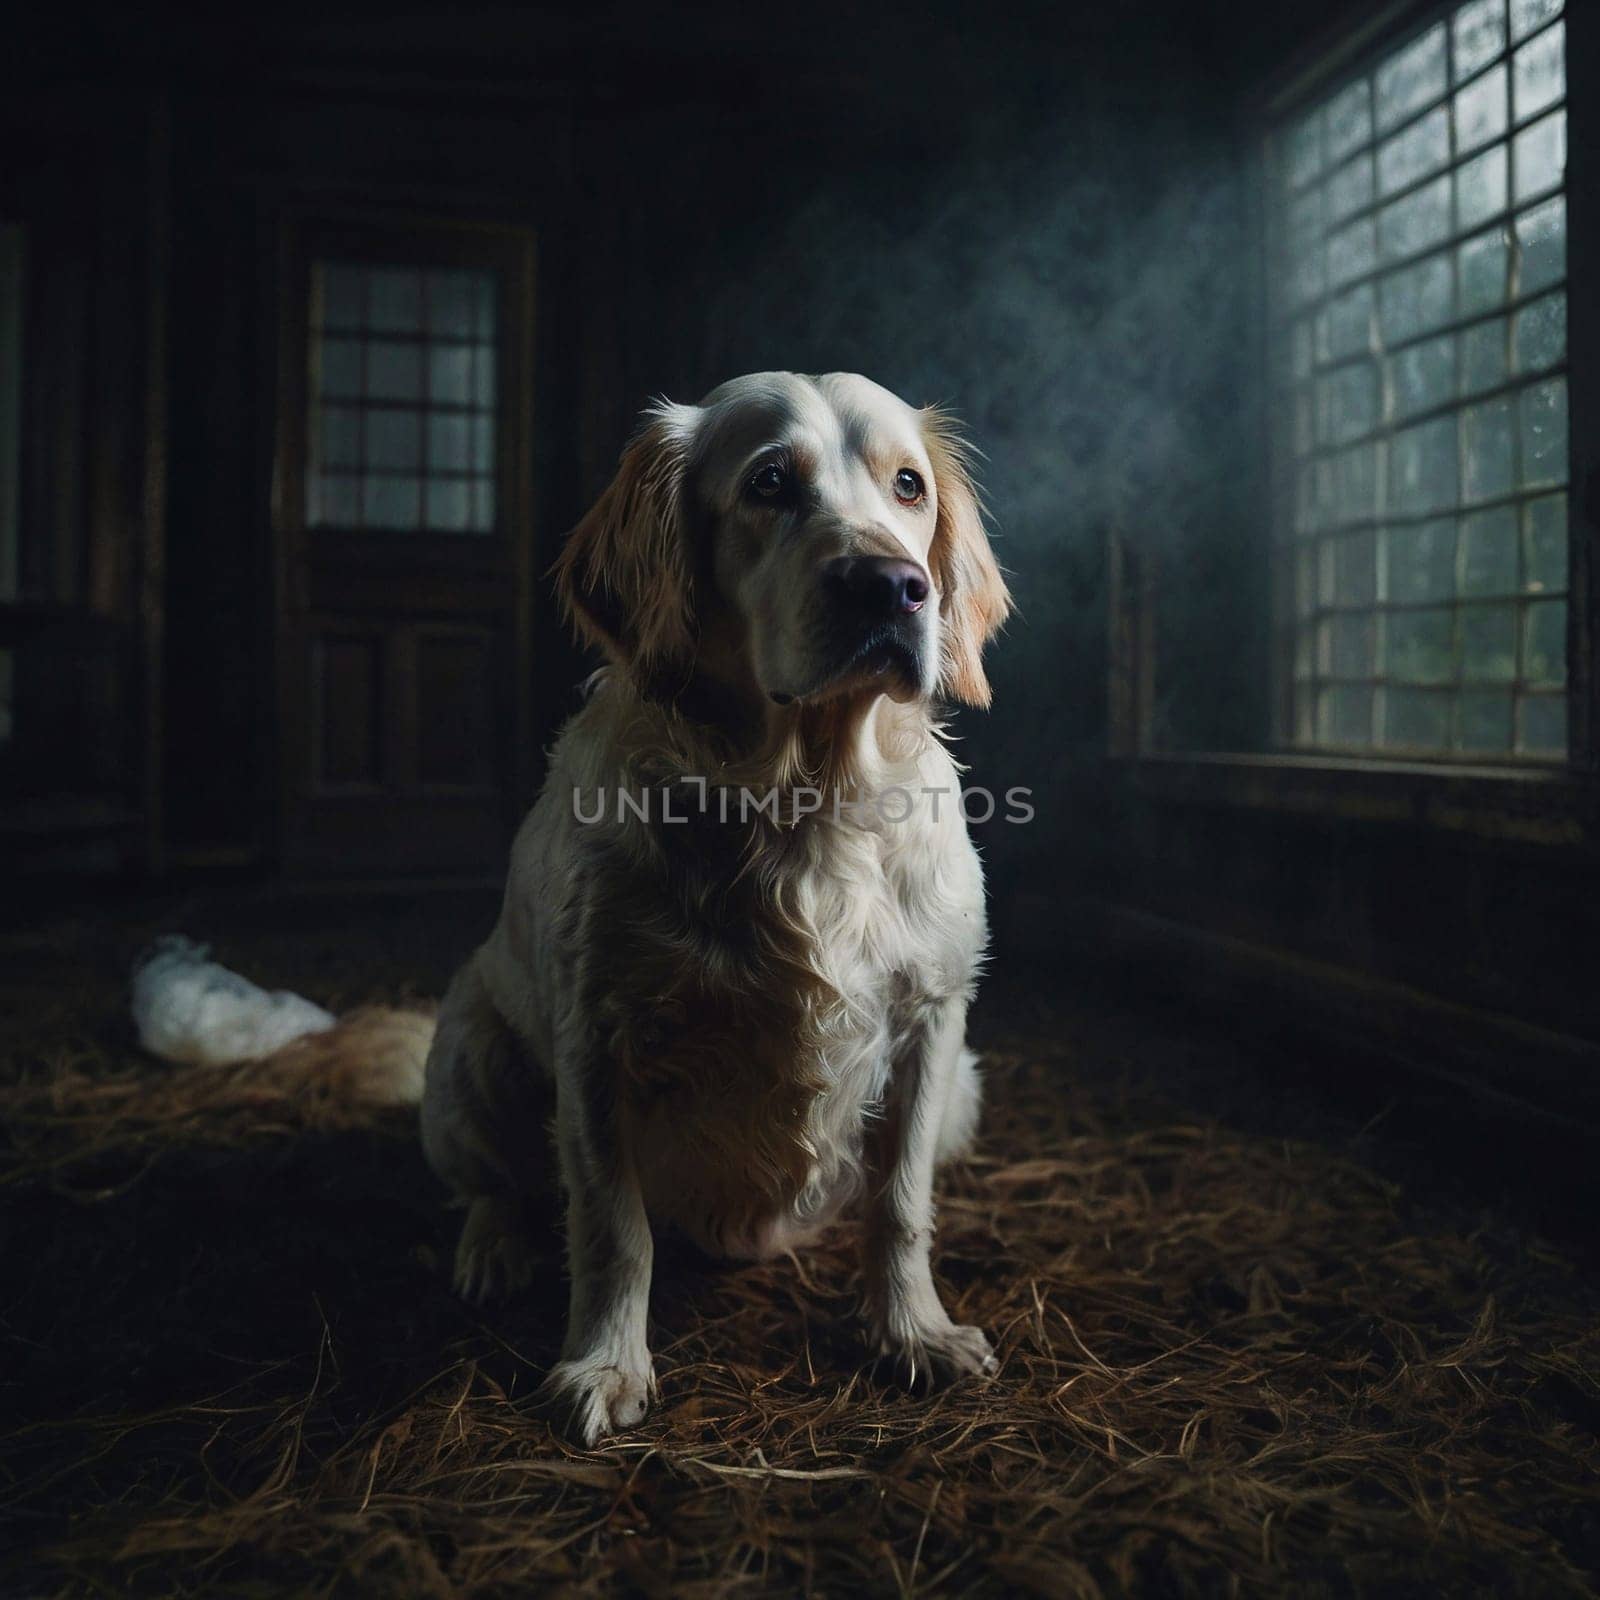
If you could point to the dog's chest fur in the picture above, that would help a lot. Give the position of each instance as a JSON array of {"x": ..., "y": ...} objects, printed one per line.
[{"x": 758, "y": 1003}]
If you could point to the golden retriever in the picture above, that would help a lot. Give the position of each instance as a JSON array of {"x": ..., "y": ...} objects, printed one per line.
[{"x": 729, "y": 976}]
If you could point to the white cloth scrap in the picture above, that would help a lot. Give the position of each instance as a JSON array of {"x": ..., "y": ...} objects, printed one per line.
[{"x": 188, "y": 1008}]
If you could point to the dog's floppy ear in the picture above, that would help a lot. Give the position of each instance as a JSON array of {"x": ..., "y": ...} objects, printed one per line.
[
  {"x": 623, "y": 574},
  {"x": 973, "y": 598}
]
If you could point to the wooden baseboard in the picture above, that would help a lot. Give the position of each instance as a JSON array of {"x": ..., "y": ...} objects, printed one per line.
[{"x": 1502, "y": 1061}]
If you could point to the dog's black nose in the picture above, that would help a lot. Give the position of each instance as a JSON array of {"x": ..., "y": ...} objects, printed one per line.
[{"x": 880, "y": 587}]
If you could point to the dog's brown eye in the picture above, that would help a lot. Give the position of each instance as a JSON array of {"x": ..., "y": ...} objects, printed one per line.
[
  {"x": 908, "y": 489},
  {"x": 769, "y": 481}
]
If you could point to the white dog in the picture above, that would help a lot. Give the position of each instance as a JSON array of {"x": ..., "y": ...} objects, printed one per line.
[
  {"x": 739, "y": 1020},
  {"x": 729, "y": 974}
]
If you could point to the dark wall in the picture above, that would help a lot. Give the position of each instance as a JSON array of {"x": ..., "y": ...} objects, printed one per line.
[
  {"x": 75, "y": 767},
  {"x": 1037, "y": 217},
  {"x": 1041, "y": 222}
]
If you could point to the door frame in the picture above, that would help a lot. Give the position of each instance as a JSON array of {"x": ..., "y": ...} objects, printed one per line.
[{"x": 509, "y": 557}]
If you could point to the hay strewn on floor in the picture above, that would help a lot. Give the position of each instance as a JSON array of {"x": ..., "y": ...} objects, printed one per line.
[{"x": 1231, "y": 1366}]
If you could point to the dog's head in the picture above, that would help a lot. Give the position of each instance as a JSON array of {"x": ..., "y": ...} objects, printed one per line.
[{"x": 795, "y": 538}]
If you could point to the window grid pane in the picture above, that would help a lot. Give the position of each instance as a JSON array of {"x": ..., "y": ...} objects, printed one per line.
[
  {"x": 1418, "y": 363},
  {"x": 404, "y": 402}
]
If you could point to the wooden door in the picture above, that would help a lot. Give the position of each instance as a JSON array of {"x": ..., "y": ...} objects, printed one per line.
[{"x": 404, "y": 541}]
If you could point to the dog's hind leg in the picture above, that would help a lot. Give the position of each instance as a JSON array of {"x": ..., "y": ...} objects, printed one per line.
[{"x": 487, "y": 1106}]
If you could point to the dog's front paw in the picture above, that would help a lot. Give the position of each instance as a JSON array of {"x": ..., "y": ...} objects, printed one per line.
[
  {"x": 962, "y": 1352},
  {"x": 937, "y": 1351},
  {"x": 595, "y": 1397},
  {"x": 495, "y": 1258}
]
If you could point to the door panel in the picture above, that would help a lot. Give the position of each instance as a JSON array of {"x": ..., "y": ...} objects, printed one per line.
[
  {"x": 455, "y": 710},
  {"x": 347, "y": 682}
]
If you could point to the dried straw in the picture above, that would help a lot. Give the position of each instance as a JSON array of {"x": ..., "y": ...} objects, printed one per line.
[{"x": 1230, "y": 1366}]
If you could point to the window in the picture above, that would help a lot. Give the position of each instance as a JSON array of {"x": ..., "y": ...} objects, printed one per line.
[
  {"x": 403, "y": 379},
  {"x": 1418, "y": 350}
]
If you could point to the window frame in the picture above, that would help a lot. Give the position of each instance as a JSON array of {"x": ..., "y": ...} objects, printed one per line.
[
  {"x": 1515, "y": 806},
  {"x": 1351, "y": 46}
]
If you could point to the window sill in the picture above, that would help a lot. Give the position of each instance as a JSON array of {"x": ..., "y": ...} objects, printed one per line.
[{"x": 1544, "y": 806}]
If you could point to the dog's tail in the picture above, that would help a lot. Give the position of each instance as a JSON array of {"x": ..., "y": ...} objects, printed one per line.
[{"x": 189, "y": 1009}]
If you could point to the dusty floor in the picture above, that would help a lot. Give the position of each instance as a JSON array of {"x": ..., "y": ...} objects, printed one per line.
[{"x": 1256, "y": 1338}]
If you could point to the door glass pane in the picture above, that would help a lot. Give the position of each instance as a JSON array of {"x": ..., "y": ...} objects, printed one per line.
[
  {"x": 391, "y": 502},
  {"x": 405, "y": 424}
]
